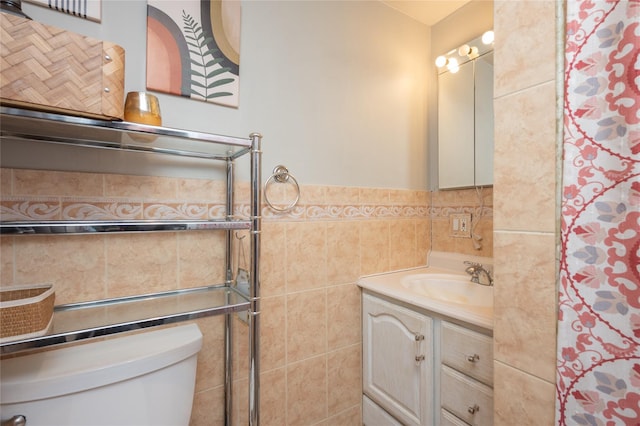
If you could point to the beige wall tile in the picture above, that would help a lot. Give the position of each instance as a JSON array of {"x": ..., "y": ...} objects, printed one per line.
[
  {"x": 343, "y": 316},
  {"x": 521, "y": 399},
  {"x": 75, "y": 265},
  {"x": 525, "y": 299},
  {"x": 241, "y": 347},
  {"x": 203, "y": 412},
  {"x": 6, "y": 261},
  {"x": 273, "y": 259},
  {"x": 423, "y": 240},
  {"x": 343, "y": 252},
  {"x": 242, "y": 192},
  {"x": 525, "y": 44},
  {"x": 349, "y": 417},
  {"x": 202, "y": 189},
  {"x": 40, "y": 182},
  {"x": 201, "y": 259},
  {"x": 341, "y": 195},
  {"x": 405, "y": 197},
  {"x": 374, "y": 246},
  {"x": 344, "y": 378},
  {"x": 306, "y": 324},
  {"x": 374, "y": 196},
  {"x": 307, "y": 391},
  {"x": 525, "y": 160},
  {"x": 147, "y": 187},
  {"x": 309, "y": 194},
  {"x": 273, "y": 336},
  {"x": 273, "y": 398},
  {"x": 306, "y": 255},
  {"x": 141, "y": 264},
  {"x": 6, "y": 181},
  {"x": 402, "y": 244},
  {"x": 210, "y": 372}
]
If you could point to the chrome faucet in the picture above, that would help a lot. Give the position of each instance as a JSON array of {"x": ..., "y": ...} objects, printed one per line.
[{"x": 476, "y": 270}]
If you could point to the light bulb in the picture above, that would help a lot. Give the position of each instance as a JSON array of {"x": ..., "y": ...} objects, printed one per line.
[
  {"x": 487, "y": 38},
  {"x": 452, "y": 65},
  {"x": 473, "y": 53},
  {"x": 441, "y": 61},
  {"x": 464, "y": 50}
]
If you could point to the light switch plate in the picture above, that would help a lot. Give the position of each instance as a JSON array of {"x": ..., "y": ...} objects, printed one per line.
[{"x": 460, "y": 225}]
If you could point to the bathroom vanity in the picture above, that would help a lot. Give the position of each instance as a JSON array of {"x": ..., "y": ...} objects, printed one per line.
[{"x": 426, "y": 360}]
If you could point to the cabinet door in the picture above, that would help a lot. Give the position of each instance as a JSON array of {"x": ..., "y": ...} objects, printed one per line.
[
  {"x": 397, "y": 360},
  {"x": 456, "y": 151},
  {"x": 484, "y": 120},
  {"x": 373, "y": 415}
]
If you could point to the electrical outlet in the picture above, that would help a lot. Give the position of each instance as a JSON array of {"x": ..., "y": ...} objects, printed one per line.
[{"x": 460, "y": 225}]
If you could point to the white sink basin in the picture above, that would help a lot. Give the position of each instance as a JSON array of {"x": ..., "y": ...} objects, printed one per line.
[{"x": 449, "y": 288}]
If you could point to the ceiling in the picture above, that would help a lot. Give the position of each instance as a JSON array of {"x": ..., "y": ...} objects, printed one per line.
[{"x": 426, "y": 11}]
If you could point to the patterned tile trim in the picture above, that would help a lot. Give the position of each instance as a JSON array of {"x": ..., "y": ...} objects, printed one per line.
[
  {"x": 23, "y": 208},
  {"x": 66, "y": 208}
]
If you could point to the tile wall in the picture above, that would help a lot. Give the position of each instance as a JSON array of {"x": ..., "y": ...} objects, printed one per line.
[
  {"x": 476, "y": 201},
  {"x": 525, "y": 212},
  {"x": 312, "y": 257}
]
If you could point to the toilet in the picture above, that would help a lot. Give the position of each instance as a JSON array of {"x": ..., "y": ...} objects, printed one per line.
[{"x": 145, "y": 379}]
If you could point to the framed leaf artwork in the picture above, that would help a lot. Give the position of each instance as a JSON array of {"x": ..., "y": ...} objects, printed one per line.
[{"x": 193, "y": 49}]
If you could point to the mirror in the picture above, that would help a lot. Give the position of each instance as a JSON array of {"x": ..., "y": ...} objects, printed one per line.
[{"x": 465, "y": 115}]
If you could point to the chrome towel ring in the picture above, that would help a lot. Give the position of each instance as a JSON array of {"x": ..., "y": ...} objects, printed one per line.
[{"x": 281, "y": 175}]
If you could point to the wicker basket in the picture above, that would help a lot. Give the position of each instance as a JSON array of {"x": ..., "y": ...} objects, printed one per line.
[
  {"x": 25, "y": 311},
  {"x": 50, "y": 69}
]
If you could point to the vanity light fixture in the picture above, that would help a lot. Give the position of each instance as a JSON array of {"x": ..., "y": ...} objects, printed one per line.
[{"x": 467, "y": 52}]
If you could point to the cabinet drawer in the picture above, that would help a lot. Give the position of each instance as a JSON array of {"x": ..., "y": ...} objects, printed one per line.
[
  {"x": 373, "y": 415},
  {"x": 468, "y": 351},
  {"x": 466, "y": 398},
  {"x": 448, "y": 419}
]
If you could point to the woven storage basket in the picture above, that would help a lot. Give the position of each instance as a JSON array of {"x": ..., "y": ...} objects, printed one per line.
[
  {"x": 50, "y": 69},
  {"x": 25, "y": 311}
]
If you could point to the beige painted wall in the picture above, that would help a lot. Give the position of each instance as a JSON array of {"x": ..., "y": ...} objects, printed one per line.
[{"x": 337, "y": 88}]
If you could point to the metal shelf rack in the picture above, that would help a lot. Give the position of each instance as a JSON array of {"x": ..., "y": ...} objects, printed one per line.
[{"x": 104, "y": 317}]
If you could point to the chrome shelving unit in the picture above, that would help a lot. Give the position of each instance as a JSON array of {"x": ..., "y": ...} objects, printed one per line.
[{"x": 79, "y": 321}]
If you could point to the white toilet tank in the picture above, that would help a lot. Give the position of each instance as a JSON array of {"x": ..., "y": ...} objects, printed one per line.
[{"x": 146, "y": 379}]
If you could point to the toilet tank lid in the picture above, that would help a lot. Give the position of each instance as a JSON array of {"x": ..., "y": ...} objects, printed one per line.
[{"x": 73, "y": 369}]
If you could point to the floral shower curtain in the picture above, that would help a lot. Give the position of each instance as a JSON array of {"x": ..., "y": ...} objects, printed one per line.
[{"x": 598, "y": 381}]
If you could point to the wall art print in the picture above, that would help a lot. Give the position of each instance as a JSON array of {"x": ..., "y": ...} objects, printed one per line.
[
  {"x": 598, "y": 370},
  {"x": 193, "y": 49},
  {"x": 86, "y": 9}
]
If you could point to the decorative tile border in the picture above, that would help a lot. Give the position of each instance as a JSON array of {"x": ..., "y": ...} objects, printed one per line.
[{"x": 22, "y": 208}]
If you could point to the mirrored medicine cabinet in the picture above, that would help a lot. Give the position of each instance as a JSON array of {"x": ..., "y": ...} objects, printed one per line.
[{"x": 465, "y": 114}]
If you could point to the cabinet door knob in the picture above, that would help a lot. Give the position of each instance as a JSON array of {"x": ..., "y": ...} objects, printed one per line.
[
  {"x": 419, "y": 358},
  {"x": 473, "y": 358},
  {"x": 474, "y": 409}
]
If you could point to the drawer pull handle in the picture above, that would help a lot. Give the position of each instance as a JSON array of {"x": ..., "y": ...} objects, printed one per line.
[
  {"x": 473, "y": 358},
  {"x": 474, "y": 409}
]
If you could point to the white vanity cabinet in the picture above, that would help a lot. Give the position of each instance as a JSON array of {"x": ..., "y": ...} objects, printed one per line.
[
  {"x": 451, "y": 385},
  {"x": 397, "y": 364}
]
